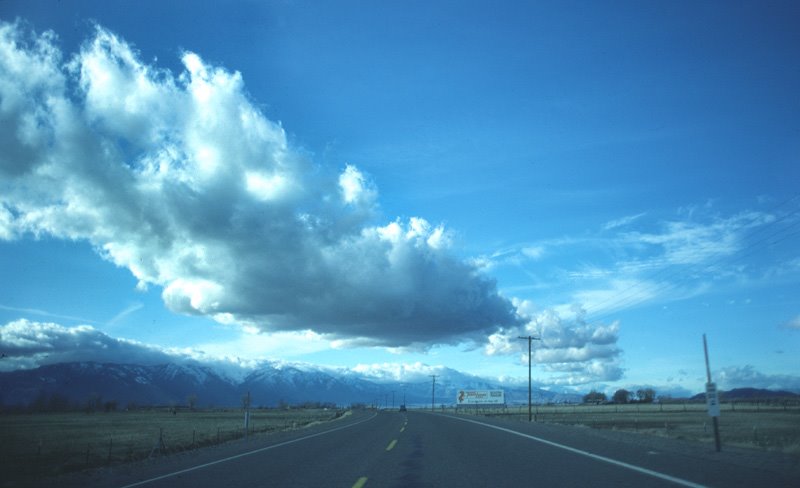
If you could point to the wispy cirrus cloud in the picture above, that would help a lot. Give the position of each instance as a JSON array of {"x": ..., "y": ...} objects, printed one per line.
[
  {"x": 622, "y": 221},
  {"x": 692, "y": 243},
  {"x": 793, "y": 323},
  {"x": 45, "y": 313},
  {"x": 678, "y": 260},
  {"x": 130, "y": 309},
  {"x": 636, "y": 260}
]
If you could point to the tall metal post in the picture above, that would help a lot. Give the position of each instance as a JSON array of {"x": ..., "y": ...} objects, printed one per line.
[
  {"x": 709, "y": 386},
  {"x": 529, "y": 339}
]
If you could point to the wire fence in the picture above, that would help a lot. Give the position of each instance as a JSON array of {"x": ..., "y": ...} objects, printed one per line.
[{"x": 35, "y": 446}]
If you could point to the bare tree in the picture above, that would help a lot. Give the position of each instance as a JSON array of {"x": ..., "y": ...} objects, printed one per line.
[
  {"x": 594, "y": 397},
  {"x": 621, "y": 396},
  {"x": 646, "y": 395}
]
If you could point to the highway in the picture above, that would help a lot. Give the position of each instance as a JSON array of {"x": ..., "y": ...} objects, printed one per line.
[{"x": 422, "y": 449}]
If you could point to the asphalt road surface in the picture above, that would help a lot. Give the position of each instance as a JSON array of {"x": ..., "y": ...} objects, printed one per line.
[{"x": 421, "y": 449}]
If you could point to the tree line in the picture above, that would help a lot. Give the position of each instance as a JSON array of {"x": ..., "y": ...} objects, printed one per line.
[
  {"x": 642, "y": 395},
  {"x": 57, "y": 402}
]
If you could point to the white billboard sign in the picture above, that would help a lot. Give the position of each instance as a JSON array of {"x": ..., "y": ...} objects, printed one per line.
[{"x": 480, "y": 397}]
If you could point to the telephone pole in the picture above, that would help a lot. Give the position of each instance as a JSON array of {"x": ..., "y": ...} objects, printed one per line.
[
  {"x": 529, "y": 339},
  {"x": 247, "y": 414},
  {"x": 433, "y": 391}
]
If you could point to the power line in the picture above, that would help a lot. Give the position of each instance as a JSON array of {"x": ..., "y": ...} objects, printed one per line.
[
  {"x": 641, "y": 294},
  {"x": 630, "y": 298},
  {"x": 764, "y": 235}
]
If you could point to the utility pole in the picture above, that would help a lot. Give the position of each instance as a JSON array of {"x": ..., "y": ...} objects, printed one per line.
[
  {"x": 247, "y": 415},
  {"x": 530, "y": 339},
  {"x": 392, "y": 399},
  {"x": 712, "y": 399},
  {"x": 433, "y": 391}
]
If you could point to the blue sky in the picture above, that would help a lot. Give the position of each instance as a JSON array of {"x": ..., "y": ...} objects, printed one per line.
[{"x": 400, "y": 186}]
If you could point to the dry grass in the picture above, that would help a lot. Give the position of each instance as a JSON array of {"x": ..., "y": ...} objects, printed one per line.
[
  {"x": 770, "y": 426},
  {"x": 34, "y": 445}
]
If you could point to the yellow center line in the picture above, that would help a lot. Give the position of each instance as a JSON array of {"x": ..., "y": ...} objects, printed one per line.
[
  {"x": 402, "y": 428},
  {"x": 361, "y": 482},
  {"x": 391, "y": 445}
]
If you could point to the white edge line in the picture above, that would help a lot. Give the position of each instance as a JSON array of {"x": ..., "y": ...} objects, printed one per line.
[
  {"x": 632, "y": 467},
  {"x": 248, "y": 453}
]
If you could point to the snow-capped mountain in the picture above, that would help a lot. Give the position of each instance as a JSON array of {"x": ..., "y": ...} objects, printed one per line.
[
  {"x": 270, "y": 384},
  {"x": 82, "y": 383},
  {"x": 290, "y": 384}
]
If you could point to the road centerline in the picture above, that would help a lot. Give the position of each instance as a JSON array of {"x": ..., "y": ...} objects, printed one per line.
[
  {"x": 622, "y": 464},
  {"x": 391, "y": 445}
]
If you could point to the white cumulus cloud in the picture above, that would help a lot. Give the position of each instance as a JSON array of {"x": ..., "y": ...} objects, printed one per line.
[
  {"x": 569, "y": 351},
  {"x": 182, "y": 180},
  {"x": 27, "y": 344},
  {"x": 748, "y": 377}
]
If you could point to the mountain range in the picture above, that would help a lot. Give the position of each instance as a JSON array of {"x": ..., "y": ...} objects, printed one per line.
[
  {"x": 270, "y": 384},
  {"x": 747, "y": 394}
]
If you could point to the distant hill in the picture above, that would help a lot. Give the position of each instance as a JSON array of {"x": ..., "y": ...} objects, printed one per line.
[{"x": 744, "y": 394}]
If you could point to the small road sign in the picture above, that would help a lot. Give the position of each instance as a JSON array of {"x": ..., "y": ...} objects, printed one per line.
[{"x": 712, "y": 399}]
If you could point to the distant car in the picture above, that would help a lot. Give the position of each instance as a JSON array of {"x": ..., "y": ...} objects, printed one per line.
[{"x": 403, "y": 407}]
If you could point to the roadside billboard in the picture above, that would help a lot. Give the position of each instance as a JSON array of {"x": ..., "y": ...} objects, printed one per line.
[{"x": 481, "y": 397}]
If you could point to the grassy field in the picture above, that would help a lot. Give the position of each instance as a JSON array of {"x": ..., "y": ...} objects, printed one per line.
[
  {"x": 771, "y": 426},
  {"x": 37, "y": 445},
  {"x": 45, "y": 444}
]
